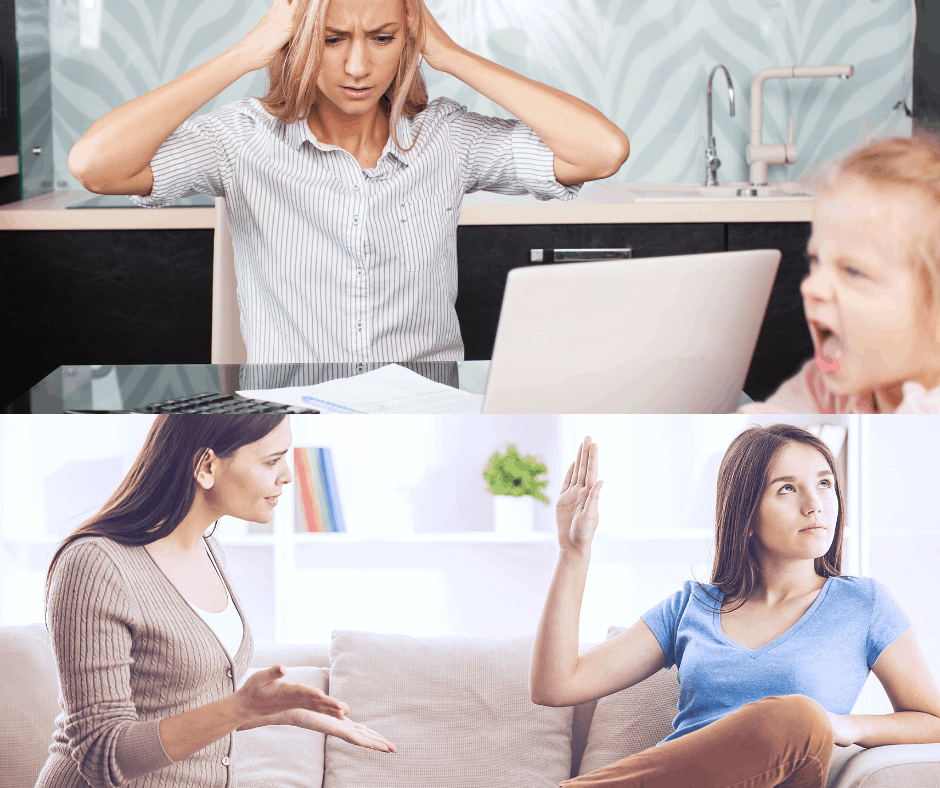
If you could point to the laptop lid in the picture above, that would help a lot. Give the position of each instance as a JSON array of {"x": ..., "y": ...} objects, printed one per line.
[{"x": 649, "y": 335}]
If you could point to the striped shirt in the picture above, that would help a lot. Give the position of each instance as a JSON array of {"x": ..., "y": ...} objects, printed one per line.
[{"x": 340, "y": 264}]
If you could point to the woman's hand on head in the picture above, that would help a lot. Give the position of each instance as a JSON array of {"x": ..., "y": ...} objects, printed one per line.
[
  {"x": 269, "y": 36},
  {"x": 437, "y": 44},
  {"x": 576, "y": 508},
  {"x": 344, "y": 729},
  {"x": 265, "y": 693}
]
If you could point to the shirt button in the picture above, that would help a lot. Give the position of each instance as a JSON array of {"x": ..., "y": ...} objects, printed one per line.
[
  {"x": 359, "y": 325},
  {"x": 359, "y": 368},
  {"x": 226, "y": 760},
  {"x": 355, "y": 220},
  {"x": 359, "y": 271},
  {"x": 229, "y": 673}
]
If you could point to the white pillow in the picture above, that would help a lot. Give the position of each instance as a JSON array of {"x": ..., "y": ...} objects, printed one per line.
[
  {"x": 457, "y": 710},
  {"x": 631, "y": 720},
  {"x": 282, "y": 756}
]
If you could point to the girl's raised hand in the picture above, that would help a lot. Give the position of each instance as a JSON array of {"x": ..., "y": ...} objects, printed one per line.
[
  {"x": 269, "y": 36},
  {"x": 265, "y": 693},
  {"x": 576, "y": 508}
]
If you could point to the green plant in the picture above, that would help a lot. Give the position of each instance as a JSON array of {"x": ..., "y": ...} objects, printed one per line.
[{"x": 512, "y": 474}]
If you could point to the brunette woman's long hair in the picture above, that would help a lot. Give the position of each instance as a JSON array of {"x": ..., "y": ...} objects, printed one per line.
[
  {"x": 160, "y": 487},
  {"x": 293, "y": 73},
  {"x": 742, "y": 480}
]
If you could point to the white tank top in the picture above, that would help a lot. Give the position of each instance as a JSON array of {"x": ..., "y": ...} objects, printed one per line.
[{"x": 226, "y": 624}]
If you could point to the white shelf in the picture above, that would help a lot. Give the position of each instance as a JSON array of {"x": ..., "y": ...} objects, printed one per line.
[{"x": 452, "y": 537}]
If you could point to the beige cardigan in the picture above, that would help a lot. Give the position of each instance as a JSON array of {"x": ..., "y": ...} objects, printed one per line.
[{"x": 131, "y": 651}]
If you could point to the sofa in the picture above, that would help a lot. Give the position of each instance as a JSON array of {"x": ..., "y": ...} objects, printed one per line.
[{"x": 457, "y": 710}]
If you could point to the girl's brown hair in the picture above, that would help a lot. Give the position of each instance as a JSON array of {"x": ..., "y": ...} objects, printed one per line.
[
  {"x": 912, "y": 163},
  {"x": 742, "y": 480},
  {"x": 293, "y": 73},
  {"x": 160, "y": 487}
]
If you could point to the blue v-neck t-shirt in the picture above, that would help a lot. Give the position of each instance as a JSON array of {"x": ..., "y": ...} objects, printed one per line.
[{"x": 826, "y": 655}]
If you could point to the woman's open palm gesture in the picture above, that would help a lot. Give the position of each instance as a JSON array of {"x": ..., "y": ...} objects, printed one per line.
[{"x": 576, "y": 509}]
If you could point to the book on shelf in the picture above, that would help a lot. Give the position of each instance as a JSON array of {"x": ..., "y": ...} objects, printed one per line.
[
  {"x": 318, "y": 502},
  {"x": 332, "y": 492},
  {"x": 307, "y": 504}
]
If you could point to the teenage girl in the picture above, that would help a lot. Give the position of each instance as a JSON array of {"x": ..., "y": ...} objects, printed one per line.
[
  {"x": 772, "y": 654},
  {"x": 872, "y": 296},
  {"x": 343, "y": 184},
  {"x": 150, "y": 640}
]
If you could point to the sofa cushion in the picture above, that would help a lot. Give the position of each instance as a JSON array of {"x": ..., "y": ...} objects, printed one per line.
[
  {"x": 631, "y": 720},
  {"x": 29, "y": 703},
  {"x": 282, "y": 755},
  {"x": 457, "y": 710}
]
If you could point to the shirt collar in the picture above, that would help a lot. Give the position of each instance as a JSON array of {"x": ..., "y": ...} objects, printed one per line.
[{"x": 299, "y": 132}]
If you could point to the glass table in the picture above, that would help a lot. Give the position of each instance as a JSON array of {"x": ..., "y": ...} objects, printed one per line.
[{"x": 130, "y": 386}]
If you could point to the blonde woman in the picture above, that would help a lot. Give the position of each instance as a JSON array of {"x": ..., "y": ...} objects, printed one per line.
[{"x": 343, "y": 184}]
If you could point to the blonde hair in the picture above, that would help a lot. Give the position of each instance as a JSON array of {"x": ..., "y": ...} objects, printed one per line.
[
  {"x": 293, "y": 73},
  {"x": 912, "y": 163}
]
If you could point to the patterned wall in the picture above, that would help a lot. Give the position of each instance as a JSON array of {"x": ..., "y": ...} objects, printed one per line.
[
  {"x": 643, "y": 63},
  {"x": 35, "y": 97}
]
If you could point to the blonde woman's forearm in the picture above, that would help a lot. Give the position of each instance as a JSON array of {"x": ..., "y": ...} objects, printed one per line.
[
  {"x": 114, "y": 155},
  {"x": 555, "y": 654},
  {"x": 120, "y": 145},
  {"x": 572, "y": 129}
]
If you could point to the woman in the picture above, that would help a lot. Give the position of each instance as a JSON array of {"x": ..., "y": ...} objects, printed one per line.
[
  {"x": 772, "y": 654},
  {"x": 149, "y": 637},
  {"x": 345, "y": 247}
]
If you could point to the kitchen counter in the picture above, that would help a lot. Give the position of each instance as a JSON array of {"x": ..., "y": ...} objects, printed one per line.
[{"x": 597, "y": 203}]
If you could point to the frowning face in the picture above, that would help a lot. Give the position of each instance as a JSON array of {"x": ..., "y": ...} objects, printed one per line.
[{"x": 363, "y": 42}]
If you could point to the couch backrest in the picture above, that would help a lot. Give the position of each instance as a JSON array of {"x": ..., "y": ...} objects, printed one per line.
[
  {"x": 29, "y": 703},
  {"x": 319, "y": 655}
]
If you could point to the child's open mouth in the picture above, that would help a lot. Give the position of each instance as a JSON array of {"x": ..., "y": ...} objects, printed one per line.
[{"x": 830, "y": 347}]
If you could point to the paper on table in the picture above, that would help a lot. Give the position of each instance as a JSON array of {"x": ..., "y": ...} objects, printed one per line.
[{"x": 388, "y": 389}]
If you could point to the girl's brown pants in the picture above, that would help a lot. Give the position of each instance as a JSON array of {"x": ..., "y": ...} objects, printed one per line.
[{"x": 778, "y": 741}]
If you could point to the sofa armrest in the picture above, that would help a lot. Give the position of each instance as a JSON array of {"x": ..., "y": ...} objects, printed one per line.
[{"x": 892, "y": 766}]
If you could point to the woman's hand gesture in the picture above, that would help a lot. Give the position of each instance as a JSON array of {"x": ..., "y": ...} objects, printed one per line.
[
  {"x": 269, "y": 36},
  {"x": 576, "y": 509},
  {"x": 265, "y": 694},
  {"x": 344, "y": 729}
]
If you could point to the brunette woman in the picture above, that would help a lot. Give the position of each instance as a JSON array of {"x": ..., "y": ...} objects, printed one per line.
[
  {"x": 150, "y": 640},
  {"x": 772, "y": 654},
  {"x": 343, "y": 184}
]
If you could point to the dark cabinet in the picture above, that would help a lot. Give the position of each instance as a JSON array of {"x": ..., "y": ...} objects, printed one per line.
[
  {"x": 784, "y": 343},
  {"x": 102, "y": 297},
  {"x": 486, "y": 254},
  {"x": 144, "y": 296}
]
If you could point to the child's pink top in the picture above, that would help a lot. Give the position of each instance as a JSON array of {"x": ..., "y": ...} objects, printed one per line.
[{"x": 806, "y": 392}]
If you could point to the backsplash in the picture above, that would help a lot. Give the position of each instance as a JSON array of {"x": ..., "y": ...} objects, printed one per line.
[{"x": 643, "y": 63}]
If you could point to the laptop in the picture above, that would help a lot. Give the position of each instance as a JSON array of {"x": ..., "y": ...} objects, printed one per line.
[{"x": 650, "y": 335}]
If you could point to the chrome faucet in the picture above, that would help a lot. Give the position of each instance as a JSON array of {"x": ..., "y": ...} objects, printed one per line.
[{"x": 710, "y": 153}]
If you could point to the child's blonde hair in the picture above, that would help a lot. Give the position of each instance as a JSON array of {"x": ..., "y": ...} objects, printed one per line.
[
  {"x": 912, "y": 163},
  {"x": 293, "y": 73}
]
